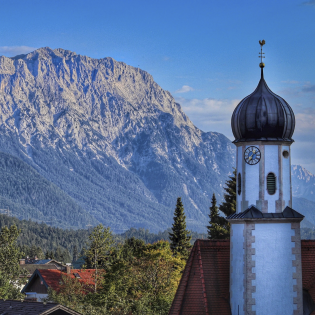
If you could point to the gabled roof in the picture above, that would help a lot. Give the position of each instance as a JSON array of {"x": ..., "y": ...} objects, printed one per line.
[
  {"x": 12, "y": 307},
  {"x": 51, "y": 277},
  {"x": 204, "y": 286},
  {"x": 253, "y": 213}
]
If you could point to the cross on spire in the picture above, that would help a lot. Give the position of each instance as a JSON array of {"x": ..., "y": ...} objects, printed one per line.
[{"x": 261, "y": 54}]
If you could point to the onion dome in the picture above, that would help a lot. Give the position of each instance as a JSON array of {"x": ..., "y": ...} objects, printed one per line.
[{"x": 263, "y": 116}]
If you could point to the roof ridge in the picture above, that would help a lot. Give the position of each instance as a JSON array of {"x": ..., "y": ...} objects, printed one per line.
[
  {"x": 185, "y": 277},
  {"x": 202, "y": 279}
]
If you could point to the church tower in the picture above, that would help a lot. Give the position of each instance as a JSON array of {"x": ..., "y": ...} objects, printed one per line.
[{"x": 265, "y": 258}]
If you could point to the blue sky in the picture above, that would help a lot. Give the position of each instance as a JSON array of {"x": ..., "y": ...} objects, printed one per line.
[{"x": 204, "y": 52}]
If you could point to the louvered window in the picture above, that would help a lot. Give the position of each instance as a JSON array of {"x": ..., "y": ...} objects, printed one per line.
[
  {"x": 271, "y": 183},
  {"x": 239, "y": 183}
]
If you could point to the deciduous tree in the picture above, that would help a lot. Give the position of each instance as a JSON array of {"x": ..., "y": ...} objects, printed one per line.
[
  {"x": 9, "y": 263},
  {"x": 97, "y": 254}
]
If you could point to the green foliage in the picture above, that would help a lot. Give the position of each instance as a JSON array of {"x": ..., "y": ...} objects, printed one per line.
[
  {"x": 217, "y": 228},
  {"x": 74, "y": 294},
  {"x": 96, "y": 255},
  {"x": 180, "y": 237},
  {"x": 9, "y": 263},
  {"x": 38, "y": 238},
  {"x": 144, "y": 282},
  {"x": 228, "y": 207}
]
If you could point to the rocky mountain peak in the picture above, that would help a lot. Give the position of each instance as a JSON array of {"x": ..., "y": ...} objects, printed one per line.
[{"x": 110, "y": 118}]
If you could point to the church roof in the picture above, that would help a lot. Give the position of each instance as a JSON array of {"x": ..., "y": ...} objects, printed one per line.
[
  {"x": 204, "y": 287},
  {"x": 253, "y": 213},
  {"x": 264, "y": 116}
]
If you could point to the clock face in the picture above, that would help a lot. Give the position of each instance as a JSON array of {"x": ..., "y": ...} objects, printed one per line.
[{"x": 252, "y": 155}]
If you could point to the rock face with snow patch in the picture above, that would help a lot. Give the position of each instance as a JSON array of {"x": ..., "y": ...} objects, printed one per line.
[
  {"x": 111, "y": 138},
  {"x": 303, "y": 183}
]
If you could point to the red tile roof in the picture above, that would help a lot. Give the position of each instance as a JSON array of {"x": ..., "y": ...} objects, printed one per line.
[
  {"x": 204, "y": 287},
  {"x": 52, "y": 277},
  {"x": 308, "y": 267}
]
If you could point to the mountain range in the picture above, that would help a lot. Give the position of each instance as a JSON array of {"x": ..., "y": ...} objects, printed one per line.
[
  {"x": 110, "y": 142},
  {"x": 110, "y": 137}
]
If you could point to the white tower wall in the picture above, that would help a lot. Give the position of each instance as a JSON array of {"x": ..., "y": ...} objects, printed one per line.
[
  {"x": 237, "y": 276},
  {"x": 273, "y": 269},
  {"x": 254, "y": 178}
]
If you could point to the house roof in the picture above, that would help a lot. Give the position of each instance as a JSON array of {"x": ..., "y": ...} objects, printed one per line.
[
  {"x": 204, "y": 286},
  {"x": 51, "y": 277},
  {"x": 308, "y": 267},
  {"x": 12, "y": 307}
]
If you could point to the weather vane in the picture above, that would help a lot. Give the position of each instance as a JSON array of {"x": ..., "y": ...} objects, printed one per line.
[{"x": 261, "y": 54}]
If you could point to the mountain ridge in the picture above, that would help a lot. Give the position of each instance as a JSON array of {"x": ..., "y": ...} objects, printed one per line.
[{"x": 110, "y": 137}]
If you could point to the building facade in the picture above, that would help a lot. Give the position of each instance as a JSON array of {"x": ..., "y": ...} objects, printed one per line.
[{"x": 265, "y": 249}]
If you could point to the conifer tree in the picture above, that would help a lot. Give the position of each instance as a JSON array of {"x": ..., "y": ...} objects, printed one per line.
[
  {"x": 217, "y": 224},
  {"x": 228, "y": 207},
  {"x": 180, "y": 238}
]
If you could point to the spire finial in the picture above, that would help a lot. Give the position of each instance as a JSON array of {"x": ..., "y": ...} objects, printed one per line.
[{"x": 261, "y": 54}]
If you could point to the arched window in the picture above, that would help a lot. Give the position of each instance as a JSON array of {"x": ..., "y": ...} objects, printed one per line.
[
  {"x": 239, "y": 183},
  {"x": 271, "y": 183}
]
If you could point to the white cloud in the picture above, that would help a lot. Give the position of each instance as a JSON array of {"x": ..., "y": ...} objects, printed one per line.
[
  {"x": 210, "y": 114},
  {"x": 184, "y": 89},
  {"x": 11, "y": 51},
  {"x": 215, "y": 115}
]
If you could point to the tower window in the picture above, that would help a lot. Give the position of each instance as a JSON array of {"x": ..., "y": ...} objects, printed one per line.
[
  {"x": 271, "y": 183},
  {"x": 239, "y": 183},
  {"x": 285, "y": 154}
]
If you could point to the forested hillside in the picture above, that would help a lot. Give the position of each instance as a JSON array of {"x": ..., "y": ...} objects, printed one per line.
[
  {"x": 29, "y": 195},
  {"x": 39, "y": 237}
]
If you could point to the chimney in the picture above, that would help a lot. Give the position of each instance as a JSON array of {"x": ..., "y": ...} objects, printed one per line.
[
  {"x": 68, "y": 267},
  {"x": 22, "y": 261}
]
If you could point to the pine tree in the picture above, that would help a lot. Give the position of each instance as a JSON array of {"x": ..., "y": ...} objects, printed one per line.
[
  {"x": 228, "y": 207},
  {"x": 180, "y": 238},
  {"x": 217, "y": 228}
]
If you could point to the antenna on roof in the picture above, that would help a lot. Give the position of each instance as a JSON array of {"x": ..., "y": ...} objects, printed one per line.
[{"x": 261, "y": 54}]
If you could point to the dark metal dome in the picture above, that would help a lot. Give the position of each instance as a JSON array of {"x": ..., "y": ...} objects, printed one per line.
[{"x": 263, "y": 116}]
